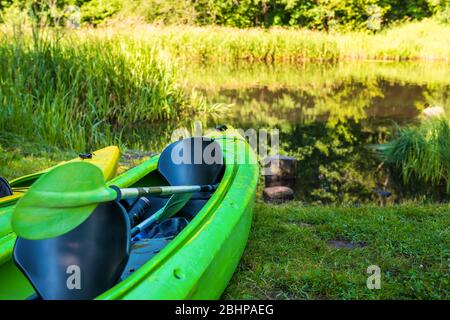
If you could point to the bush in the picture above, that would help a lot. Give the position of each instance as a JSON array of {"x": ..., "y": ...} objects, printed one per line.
[
  {"x": 443, "y": 15},
  {"x": 96, "y": 11},
  {"x": 319, "y": 15}
]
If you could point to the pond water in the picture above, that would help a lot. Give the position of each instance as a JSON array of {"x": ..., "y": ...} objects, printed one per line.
[{"x": 328, "y": 116}]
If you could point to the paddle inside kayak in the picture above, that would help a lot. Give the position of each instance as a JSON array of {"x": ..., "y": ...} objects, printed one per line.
[{"x": 191, "y": 255}]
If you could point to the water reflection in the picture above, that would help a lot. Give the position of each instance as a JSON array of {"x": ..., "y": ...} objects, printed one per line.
[{"x": 327, "y": 116}]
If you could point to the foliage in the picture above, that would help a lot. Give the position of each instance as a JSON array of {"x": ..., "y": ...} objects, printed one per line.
[
  {"x": 313, "y": 14},
  {"x": 96, "y": 11},
  {"x": 444, "y": 15},
  {"x": 161, "y": 11},
  {"x": 422, "y": 154},
  {"x": 60, "y": 12}
]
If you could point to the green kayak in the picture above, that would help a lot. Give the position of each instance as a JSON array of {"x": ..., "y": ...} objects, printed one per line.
[{"x": 191, "y": 255}]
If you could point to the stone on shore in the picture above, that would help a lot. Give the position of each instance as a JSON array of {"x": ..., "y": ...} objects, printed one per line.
[
  {"x": 281, "y": 171},
  {"x": 278, "y": 194}
]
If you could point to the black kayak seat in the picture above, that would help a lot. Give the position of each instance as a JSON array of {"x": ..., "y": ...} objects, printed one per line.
[
  {"x": 82, "y": 263},
  {"x": 5, "y": 188},
  {"x": 191, "y": 161}
]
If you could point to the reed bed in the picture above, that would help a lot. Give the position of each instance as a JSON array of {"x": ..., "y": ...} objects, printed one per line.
[
  {"x": 80, "y": 92},
  {"x": 425, "y": 40}
]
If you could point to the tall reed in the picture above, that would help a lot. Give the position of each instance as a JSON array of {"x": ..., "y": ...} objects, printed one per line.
[
  {"x": 426, "y": 40},
  {"x": 79, "y": 92}
]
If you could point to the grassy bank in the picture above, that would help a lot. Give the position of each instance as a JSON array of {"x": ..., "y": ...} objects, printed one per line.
[
  {"x": 80, "y": 92},
  {"x": 19, "y": 156},
  {"x": 293, "y": 253},
  {"x": 96, "y": 83},
  {"x": 426, "y": 40}
]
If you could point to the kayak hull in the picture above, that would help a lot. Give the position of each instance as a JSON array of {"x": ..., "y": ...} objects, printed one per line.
[{"x": 200, "y": 261}]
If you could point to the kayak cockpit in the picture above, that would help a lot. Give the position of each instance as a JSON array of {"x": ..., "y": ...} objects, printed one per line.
[
  {"x": 102, "y": 251},
  {"x": 179, "y": 164}
]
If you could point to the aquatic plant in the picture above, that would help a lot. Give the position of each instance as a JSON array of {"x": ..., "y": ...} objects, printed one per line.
[{"x": 421, "y": 154}]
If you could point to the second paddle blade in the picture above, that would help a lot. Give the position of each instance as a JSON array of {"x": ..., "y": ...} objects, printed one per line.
[
  {"x": 173, "y": 205},
  {"x": 59, "y": 201}
]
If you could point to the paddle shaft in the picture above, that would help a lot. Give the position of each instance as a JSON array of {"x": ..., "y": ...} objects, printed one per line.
[
  {"x": 130, "y": 193},
  {"x": 66, "y": 196}
]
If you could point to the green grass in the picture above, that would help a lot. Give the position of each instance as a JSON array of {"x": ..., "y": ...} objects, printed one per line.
[
  {"x": 19, "y": 157},
  {"x": 288, "y": 257},
  {"x": 80, "y": 92}
]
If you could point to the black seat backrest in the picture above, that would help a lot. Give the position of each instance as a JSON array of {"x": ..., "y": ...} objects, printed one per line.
[
  {"x": 82, "y": 263},
  {"x": 5, "y": 188},
  {"x": 191, "y": 161}
]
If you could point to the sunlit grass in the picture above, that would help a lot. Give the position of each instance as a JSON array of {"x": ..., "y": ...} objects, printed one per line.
[
  {"x": 19, "y": 157},
  {"x": 426, "y": 40}
]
